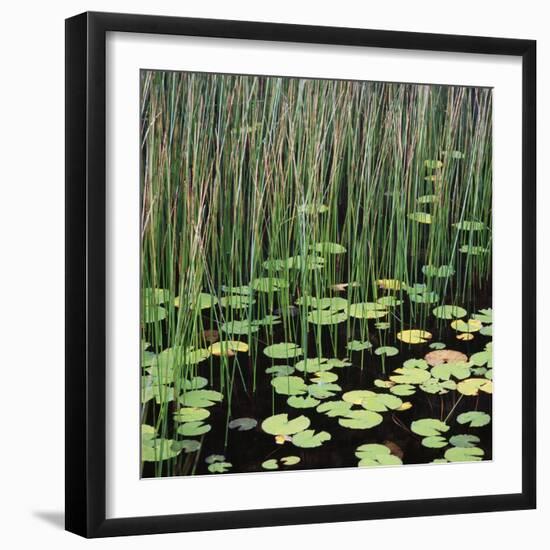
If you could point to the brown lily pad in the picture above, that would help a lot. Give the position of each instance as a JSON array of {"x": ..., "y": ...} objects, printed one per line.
[
  {"x": 394, "y": 448},
  {"x": 440, "y": 356}
]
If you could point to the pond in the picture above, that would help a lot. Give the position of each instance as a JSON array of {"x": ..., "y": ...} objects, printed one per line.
[{"x": 316, "y": 274}]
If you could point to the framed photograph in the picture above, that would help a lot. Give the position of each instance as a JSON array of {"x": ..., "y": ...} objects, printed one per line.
[{"x": 295, "y": 256}]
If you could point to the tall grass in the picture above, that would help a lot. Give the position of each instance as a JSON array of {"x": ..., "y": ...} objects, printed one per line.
[{"x": 235, "y": 170}]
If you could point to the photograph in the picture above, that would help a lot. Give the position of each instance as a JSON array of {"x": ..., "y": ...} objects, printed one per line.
[{"x": 315, "y": 274}]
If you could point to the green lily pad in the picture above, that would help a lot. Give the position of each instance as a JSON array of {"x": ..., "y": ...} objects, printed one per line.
[
  {"x": 382, "y": 325},
  {"x": 269, "y": 284},
  {"x": 195, "y": 383},
  {"x": 312, "y": 364},
  {"x": 308, "y": 262},
  {"x": 240, "y": 327},
  {"x": 358, "y": 345},
  {"x": 219, "y": 467},
  {"x": 210, "y": 459},
  {"x": 437, "y": 345},
  {"x": 444, "y": 371},
  {"x": 323, "y": 391},
  {"x": 434, "y": 442},
  {"x": 389, "y": 301},
  {"x": 433, "y": 164},
  {"x": 284, "y": 350},
  {"x": 279, "y": 424},
  {"x": 155, "y": 296},
  {"x": 152, "y": 314},
  {"x": 416, "y": 364},
  {"x": 484, "y": 315},
  {"x": 157, "y": 450},
  {"x": 429, "y": 427},
  {"x": 200, "y": 398},
  {"x": 434, "y": 386},
  {"x": 381, "y": 402},
  {"x": 290, "y": 460},
  {"x": 328, "y": 248},
  {"x": 298, "y": 402},
  {"x": 289, "y": 385},
  {"x": 324, "y": 377},
  {"x": 427, "y": 199},
  {"x": 243, "y": 424},
  {"x": 389, "y": 351},
  {"x": 335, "y": 304},
  {"x": 326, "y": 317},
  {"x": 191, "y": 414},
  {"x": 472, "y": 386},
  {"x": 191, "y": 429},
  {"x": 186, "y": 445},
  {"x": 449, "y": 312},
  {"x": 361, "y": 420},
  {"x": 475, "y": 419},
  {"x": 270, "y": 464},
  {"x": 356, "y": 396},
  {"x": 367, "y": 310},
  {"x": 403, "y": 390},
  {"x": 464, "y": 440},
  {"x": 280, "y": 370},
  {"x": 313, "y": 208},
  {"x": 374, "y": 454},
  {"x": 464, "y": 454},
  {"x": 406, "y": 375},
  {"x": 237, "y": 301},
  {"x": 243, "y": 290},
  {"x": 309, "y": 439},
  {"x": 334, "y": 409}
]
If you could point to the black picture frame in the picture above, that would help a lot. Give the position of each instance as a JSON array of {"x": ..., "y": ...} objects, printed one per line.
[{"x": 86, "y": 268}]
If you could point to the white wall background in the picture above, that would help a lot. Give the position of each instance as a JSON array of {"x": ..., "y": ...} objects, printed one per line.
[{"x": 32, "y": 269}]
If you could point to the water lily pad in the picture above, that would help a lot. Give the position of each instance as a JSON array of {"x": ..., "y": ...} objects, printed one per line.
[
  {"x": 421, "y": 217},
  {"x": 482, "y": 358},
  {"x": 290, "y": 460},
  {"x": 437, "y": 345},
  {"x": 382, "y": 325},
  {"x": 191, "y": 414},
  {"x": 464, "y": 454},
  {"x": 390, "y": 284},
  {"x": 374, "y": 454},
  {"x": 289, "y": 385},
  {"x": 191, "y": 429},
  {"x": 326, "y": 317},
  {"x": 186, "y": 445},
  {"x": 324, "y": 377},
  {"x": 388, "y": 351},
  {"x": 269, "y": 284},
  {"x": 309, "y": 439},
  {"x": 457, "y": 155},
  {"x": 156, "y": 450},
  {"x": 328, "y": 248},
  {"x": 389, "y": 301},
  {"x": 279, "y": 424},
  {"x": 335, "y": 408},
  {"x": 243, "y": 424},
  {"x": 406, "y": 375},
  {"x": 280, "y": 370},
  {"x": 416, "y": 364},
  {"x": 308, "y": 262},
  {"x": 449, "y": 312},
  {"x": 284, "y": 350},
  {"x": 210, "y": 459},
  {"x": 403, "y": 390},
  {"x": 243, "y": 290},
  {"x": 471, "y": 325},
  {"x": 434, "y": 386},
  {"x": 428, "y": 427},
  {"x": 323, "y": 391},
  {"x": 468, "y": 225},
  {"x": 444, "y": 371},
  {"x": 155, "y": 296},
  {"x": 414, "y": 336},
  {"x": 240, "y": 327},
  {"x": 335, "y": 303},
  {"x": 299, "y": 402},
  {"x": 367, "y": 310},
  {"x": 361, "y": 420},
  {"x": 440, "y": 356},
  {"x": 313, "y": 364},
  {"x": 381, "y": 402},
  {"x": 152, "y": 314},
  {"x": 465, "y": 336},
  {"x": 475, "y": 419},
  {"x": 441, "y": 271},
  {"x": 237, "y": 301},
  {"x": 200, "y": 398},
  {"x": 358, "y": 345},
  {"x": 434, "y": 442},
  {"x": 472, "y": 386},
  {"x": 356, "y": 396},
  {"x": 424, "y": 297},
  {"x": 486, "y": 330},
  {"x": 464, "y": 440},
  {"x": 433, "y": 164},
  {"x": 270, "y": 464},
  {"x": 219, "y": 467},
  {"x": 484, "y": 315},
  {"x": 228, "y": 348}
]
